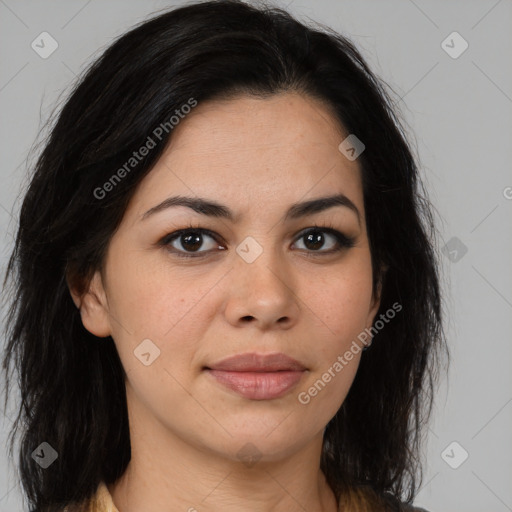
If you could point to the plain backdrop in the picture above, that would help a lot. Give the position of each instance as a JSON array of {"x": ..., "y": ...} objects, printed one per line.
[{"x": 458, "y": 106}]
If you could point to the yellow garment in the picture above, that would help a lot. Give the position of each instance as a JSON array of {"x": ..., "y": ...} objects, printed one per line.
[{"x": 103, "y": 500}]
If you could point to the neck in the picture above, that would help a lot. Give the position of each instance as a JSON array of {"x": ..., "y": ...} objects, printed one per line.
[{"x": 169, "y": 473}]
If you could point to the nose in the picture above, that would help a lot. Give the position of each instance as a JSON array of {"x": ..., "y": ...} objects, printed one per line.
[{"x": 263, "y": 289}]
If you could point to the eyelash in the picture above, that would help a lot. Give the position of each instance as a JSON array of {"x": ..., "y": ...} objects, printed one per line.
[{"x": 345, "y": 242}]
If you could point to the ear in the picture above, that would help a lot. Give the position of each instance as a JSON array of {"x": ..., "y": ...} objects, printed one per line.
[
  {"x": 93, "y": 306},
  {"x": 376, "y": 298}
]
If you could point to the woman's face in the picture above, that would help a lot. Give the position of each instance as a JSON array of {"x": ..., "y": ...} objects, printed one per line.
[{"x": 261, "y": 282}]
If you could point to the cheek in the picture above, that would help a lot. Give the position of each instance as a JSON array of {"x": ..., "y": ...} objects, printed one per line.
[
  {"x": 151, "y": 298},
  {"x": 342, "y": 307},
  {"x": 343, "y": 300},
  {"x": 157, "y": 312}
]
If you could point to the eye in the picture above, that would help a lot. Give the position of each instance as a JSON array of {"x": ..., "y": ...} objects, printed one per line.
[
  {"x": 315, "y": 239},
  {"x": 185, "y": 243}
]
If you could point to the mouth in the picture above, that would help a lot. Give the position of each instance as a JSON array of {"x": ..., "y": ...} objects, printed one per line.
[
  {"x": 258, "y": 385},
  {"x": 258, "y": 376}
]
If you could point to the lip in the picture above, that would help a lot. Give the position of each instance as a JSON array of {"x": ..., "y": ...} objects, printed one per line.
[
  {"x": 253, "y": 362},
  {"x": 258, "y": 376}
]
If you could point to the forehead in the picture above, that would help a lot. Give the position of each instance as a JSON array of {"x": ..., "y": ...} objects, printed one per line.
[
  {"x": 253, "y": 153},
  {"x": 279, "y": 124}
]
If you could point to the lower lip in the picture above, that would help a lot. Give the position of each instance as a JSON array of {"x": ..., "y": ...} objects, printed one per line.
[{"x": 258, "y": 385}]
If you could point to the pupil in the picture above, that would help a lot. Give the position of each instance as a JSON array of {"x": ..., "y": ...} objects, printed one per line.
[
  {"x": 311, "y": 237},
  {"x": 192, "y": 241}
]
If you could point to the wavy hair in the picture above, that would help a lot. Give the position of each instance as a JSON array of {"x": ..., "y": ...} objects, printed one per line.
[{"x": 72, "y": 382}]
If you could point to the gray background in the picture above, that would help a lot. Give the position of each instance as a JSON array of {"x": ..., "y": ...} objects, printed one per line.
[{"x": 459, "y": 110}]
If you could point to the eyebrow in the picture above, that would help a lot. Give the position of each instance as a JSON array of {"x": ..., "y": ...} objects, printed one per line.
[{"x": 214, "y": 209}]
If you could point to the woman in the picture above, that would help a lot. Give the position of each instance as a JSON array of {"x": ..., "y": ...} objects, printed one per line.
[{"x": 224, "y": 286}]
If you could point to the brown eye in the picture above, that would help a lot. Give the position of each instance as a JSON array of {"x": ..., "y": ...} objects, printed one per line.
[
  {"x": 316, "y": 238},
  {"x": 186, "y": 242},
  {"x": 191, "y": 241}
]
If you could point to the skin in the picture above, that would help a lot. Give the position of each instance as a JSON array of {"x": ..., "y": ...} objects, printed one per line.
[{"x": 257, "y": 156}]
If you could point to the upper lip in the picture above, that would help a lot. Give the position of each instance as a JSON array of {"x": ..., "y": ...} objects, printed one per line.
[{"x": 252, "y": 362}]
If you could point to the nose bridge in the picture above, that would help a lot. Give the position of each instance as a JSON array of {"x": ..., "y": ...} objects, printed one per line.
[
  {"x": 260, "y": 267},
  {"x": 259, "y": 254},
  {"x": 263, "y": 280}
]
